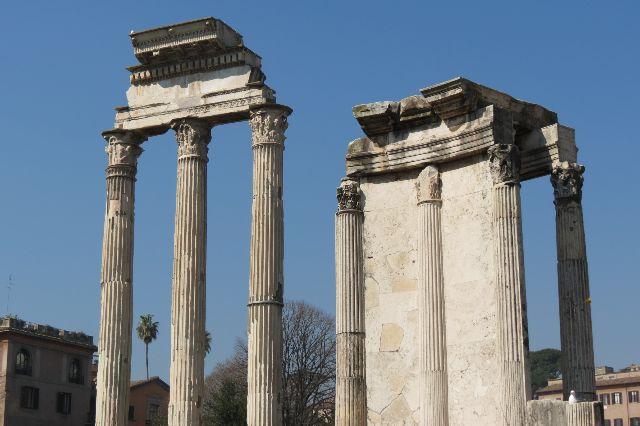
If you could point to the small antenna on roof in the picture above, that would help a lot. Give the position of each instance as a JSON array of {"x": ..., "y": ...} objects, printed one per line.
[{"x": 9, "y": 286}]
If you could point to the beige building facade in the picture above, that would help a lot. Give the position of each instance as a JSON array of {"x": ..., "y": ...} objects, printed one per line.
[
  {"x": 148, "y": 402},
  {"x": 45, "y": 375},
  {"x": 618, "y": 392}
]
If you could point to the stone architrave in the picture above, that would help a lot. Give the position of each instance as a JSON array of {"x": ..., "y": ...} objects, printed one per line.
[
  {"x": 189, "y": 274},
  {"x": 504, "y": 165},
  {"x": 116, "y": 300},
  {"x": 431, "y": 310},
  {"x": 351, "y": 397},
  {"x": 576, "y": 338},
  {"x": 266, "y": 276}
]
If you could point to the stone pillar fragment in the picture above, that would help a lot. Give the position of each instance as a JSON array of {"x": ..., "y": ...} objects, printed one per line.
[
  {"x": 512, "y": 348},
  {"x": 578, "y": 372},
  {"x": 266, "y": 277},
  {"x": 116, "y": 301},
  {"x": 189, "y": 274},
  {"x": 351, "y": 400},
  {"x": 433, "y": 346}
]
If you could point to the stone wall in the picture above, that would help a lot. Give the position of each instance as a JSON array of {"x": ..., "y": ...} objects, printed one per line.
[{"x": 391, "y": 278}]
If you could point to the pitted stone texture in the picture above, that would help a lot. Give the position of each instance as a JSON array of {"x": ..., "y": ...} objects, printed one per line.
[
  {"x": 391, "y": 337},
  {"x": 390, "y": 257}
]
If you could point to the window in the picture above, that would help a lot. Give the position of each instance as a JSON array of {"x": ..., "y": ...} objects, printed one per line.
[
  {"x": 29, "y": 397},
  {"x": 607, "y": 423},
  {"x": 634, "y": 396},
  {"x": 616, "y": 398},
  {"x": 634, "y": 421},
  {"x": 131, "y": 412},
  {"x": 152, "y": 411},
  {"x": 75, "y": 372},
  {"x": 604, "y": 398},
  {"x": 23, "y": 362},
  {"x": 618, "y": 422},
  {"x": 64, "y": 403}
]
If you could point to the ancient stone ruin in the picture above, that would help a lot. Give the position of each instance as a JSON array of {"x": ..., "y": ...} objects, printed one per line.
[
  {"x": 431, "y": 307},
  {"x": 431, "y": 310},
  {"x": 191, "y": 77}
]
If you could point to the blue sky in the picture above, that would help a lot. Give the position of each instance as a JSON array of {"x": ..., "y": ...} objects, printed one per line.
[{"x": 64, "y": 71}]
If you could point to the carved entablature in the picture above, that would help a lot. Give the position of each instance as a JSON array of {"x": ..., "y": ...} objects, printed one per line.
[
  {"x": 199, "y": 69},
  {"x": 123, "y": 147},
  {"x": 192, "y": 136},
  {"x": 567, "y": 179},
  {"x": 504, "y": 163},
  {"x": 429, "y": 185},
  {"x": 453, "y": 120},
  {"x": 348, "y": 194},
  {"x": 268, "y": 124},
  {"x": 184, "y": 39}
]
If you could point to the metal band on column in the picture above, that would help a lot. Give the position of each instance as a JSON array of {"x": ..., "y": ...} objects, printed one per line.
[
  {"x": 266, "y": 276},
  {"x": 351, "y": 396},
  {"x": 504, "y": 162},
  {"x": 188, "y": 299},
  {"x": 431, "y": 309},
  {"x": 116, "y": 300},
  {"x": 576, "y": 339}
]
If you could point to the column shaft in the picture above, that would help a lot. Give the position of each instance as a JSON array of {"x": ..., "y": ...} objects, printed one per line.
[
  {"x": 189, "y": 275},
  {"x": 266, "y": 275},
  {"x": 576, "y": 338},
  {"x": 433, "y": 345},
  {"x": 509, "y": 281},
  {"x": 351, "y": 402},
  {"x": 116, "y": 305}
]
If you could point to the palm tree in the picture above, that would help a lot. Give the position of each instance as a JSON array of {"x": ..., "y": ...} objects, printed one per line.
[
  {"x": 207, "y": 342},
  {"x": 147, "y": 332}
]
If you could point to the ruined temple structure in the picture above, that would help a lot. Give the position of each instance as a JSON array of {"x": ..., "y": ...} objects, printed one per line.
[
  {"x": 431, "y": 310},
  {"x": 191, "y": 77}
]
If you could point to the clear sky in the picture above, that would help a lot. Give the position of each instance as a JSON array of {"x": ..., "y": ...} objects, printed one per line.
[{"x": 63, "y": 72}]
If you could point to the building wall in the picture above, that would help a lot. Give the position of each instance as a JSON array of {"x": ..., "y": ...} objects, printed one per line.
[
  {"x": 142, "y": 396},
  {"x": 50, "y": 363},
  {"x": 391, "y": 280},
  {"x": 624, "y": 411}
]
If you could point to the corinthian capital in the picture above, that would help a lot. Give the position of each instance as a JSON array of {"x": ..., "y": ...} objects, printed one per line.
[
  {"x": 348, "y": 195},
  {"x": 123, "y": 147},
  {"x": 429, "y": 185},
  {"x": 567, "y": 180},
  {"x": 268, "y": 124},
  {"x": 192, "y": 135},
  {"x": 504, "y": 163}
]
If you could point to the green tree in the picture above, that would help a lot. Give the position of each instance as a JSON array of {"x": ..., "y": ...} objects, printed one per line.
[
  {"x": 207, "y": 342},
  {"x": 147, "y": 332},
  {"x": 545, "y": 365}
]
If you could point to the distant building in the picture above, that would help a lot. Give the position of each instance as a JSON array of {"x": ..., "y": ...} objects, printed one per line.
[
  {"x": 45, "y": 375},
  {"x": 148, "y": 401},
  {"x": 618, "y": 392}
]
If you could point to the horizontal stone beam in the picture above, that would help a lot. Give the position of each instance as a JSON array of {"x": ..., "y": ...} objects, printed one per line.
[{"x": 540, "y": 148}]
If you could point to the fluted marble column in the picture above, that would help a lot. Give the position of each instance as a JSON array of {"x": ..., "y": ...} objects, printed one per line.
[
  {"x": 266, "y": 276},
  {"x": 433, "y": 344},
  {"x": 512, "y": 348},
  {"x": 189, "y": 274},
  {"x": 576, "y": 338},
  {"x": 351, "y": 393},
  {"x": 116, "y": 301}
]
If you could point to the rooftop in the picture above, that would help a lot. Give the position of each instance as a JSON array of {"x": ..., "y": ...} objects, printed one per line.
[
  {"x": 602, "y": 380},
  {"x": 8, "y": 323},
  {"x": 138, "y": 383}
]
